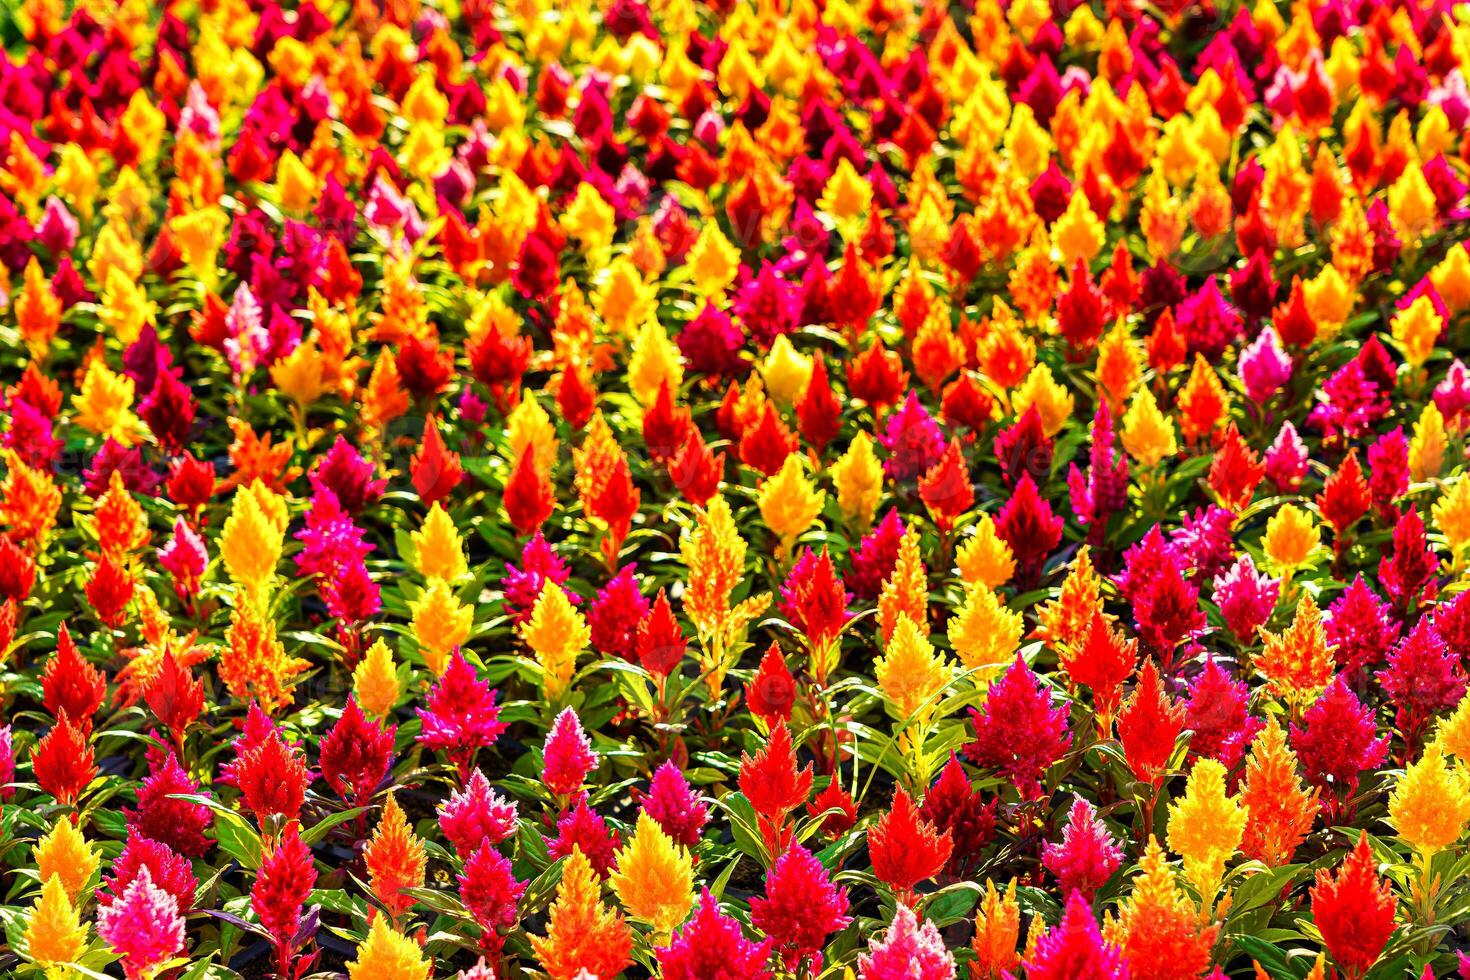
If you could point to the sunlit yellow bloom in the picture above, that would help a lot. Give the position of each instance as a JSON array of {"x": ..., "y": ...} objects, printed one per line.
[
  {"x": 556, "y": 634},
  {"x": 984, "y": 559},
  {"x": 984, "y": 633},
  {"x": 55, "y": 933},
  {"x": 1452, "y": 515},
  {"x": 654, "y": 878},
  {"x": 1417, "y": 329},
  {"x": 65, "y": 854},
  {"x": 105, "y": 404},
  {"x": 297, "y": 186},
  {"x": 375, "y": 680},
  {"x": 623, "y": 299},
  {"x": 440, "y": 623},
  {"x": 1451, "y": 278},
  {"x": 1330, "y": 299},
  {"x": 1205, "y": 827},
  {"x": 786, "y": 371},
  {"x": 387, "y": 954},
  {"x": 530, "y": 427},
  {"x": 1148, "y": 435},
  {"x": 654, "y": 362},
  {"x": 1429, "y": 444},
  {"x": 858, "y": 477},
  {"x": 125, "y": 309},
  {"x": 438, "y": 551},
  {"x": 789, "y": 503},
  {"x": 1078, "y": 234},
  {"x": 847, "y": 194},
  {"x": 713, "y": 261},
  {"x": 1412, "y": 204},
  {"x": 1052, "y": 401},
  {"x": 910, "y": 672},
  {"x": 1430, "y": 804},
  {"x": 299, "y": 374},
  {"x": 1292, "y": 539},
  {"x": 997, "y": 932},
  {"x": 589, "y": 219},
  {"x": 198, "y": 235}
]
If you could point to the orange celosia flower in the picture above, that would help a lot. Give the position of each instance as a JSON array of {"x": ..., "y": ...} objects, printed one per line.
[
  {"x": 383, "y": 399},
  {"x": 37, "y": 311},
  {"x": 1297, "y": 662},
  {"x": 29, "y": 499},
  {"x": 253, "y": 663},
  {"x": 1281, "y": 811},
  {"x": 997, "y": 930},
  {"x": 1202, "y": 401},
  {"x": 714, "y": 553},
  {"x": 122, "y": 527},
  {"x": 654, "y": 878},
  {"x": 1158, "y": 928},
  {"x": 395, "y": 859},
  {"x": 255, "y": 458},
  {"x": 906, "y": 592},
  {"x": 582, "y": 933},
  {"x": 1064, "y": 622}
]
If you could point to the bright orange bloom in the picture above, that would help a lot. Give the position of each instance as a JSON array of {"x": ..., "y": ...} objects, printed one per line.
[
  {"x": 582, "y": 933},
  {"x": 1202, "y": 401},
  {"x": 29, "y": 499},
  {"x": 1297, "y": 662},
  {"x": 253, "y": 663},
  {"x": 906, "y": 592},
  {"x": 997, "y": 930},
  {"x": 1158, "y": 926},
  {"x": 1281, "y": 811},
  {"x": 714, "y": 553},
  {"x": 1065, "y": 621},
  {"x": 395, "y": 859}
]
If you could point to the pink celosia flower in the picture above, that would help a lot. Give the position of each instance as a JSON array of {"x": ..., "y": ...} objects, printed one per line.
[
  {"x": 462, "y": 717},
  {"x": 873, "y": 559},
  {"x": 1217, "y": 711},
  {"x": 615, "y": 613},
  {"x": 1264, "y": 366},
  {"x": 176, "y": 823},
  {"x": 1075, "y": 948},
  {"x": 1286, "y": 460},
  {"x": 475, "y": 814},
  {"x": 1360, "y": 627},
  {"x": 675, "y": 806},
  {"x": 1246, "y": 597},
  {"x": 907, "y": 951},
  {"x": 491, "y": 892},
  {"x": 567, "y": 755},
  {"x": 185, "y": 558},
  {"x": 711, "y": 946},
  {"x": 168, "y": 870},
  {"x": 1087, "y": 855},
  {"x": 1423, "y": 678},
  {"x": 142, "y": 925},
  {"x": 1338, "y": 739},
  {"x": 801, "y": 907},
  {"x": 539, "y": 564}
]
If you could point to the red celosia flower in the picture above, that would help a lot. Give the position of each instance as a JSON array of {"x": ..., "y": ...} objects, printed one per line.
[
  {"x": 435, "y": 470},
  {"x": 665, "y": 426},
  {"x": 190, "y": 483},
  {"x": 17, "y": 571},
  {"x": 272, "y": 778},
  {"x": 286, "y": 877},
  {"x": 174, "y": 695},
  {"x": 1087, "y": 856},
  {"x": 1423, "y": 678},
  {"x": 801, "y": 908},
  {"x": 818, "y": 413},
  {"x": 772, "y": 690},
  {"x": 109, "y": 591},
  {"x": 575, "y": 397},
  {"x": 1101, "y": 663},
  {"x": 567, "y": 755},
  {"x": 178, "y": 823},
  {"x": 766, "y": 444},
  {"x": 616, "y": 613},
  {"x": 1148, "y": 726},
  {"x": 1338, "y": 739},
  {"x": 583, "y": 828},
  {"x": 1029, "y": 526},
  {"x": 185, "y": 558},
  {"x": 711, "y": 946},
  {"x": 490, "y": 891},
  {"x": 674, "y": 805},
  {"x": 955, "y": 807},
  {"x": 695, "y": 471},
  {"x": 1345, "y": 496},
  {"x": 905, "y": 848},
  {"x": 529, "y": 496},
  {"x": 1019, "y": 734},
  {"x": 836, "y": 807},
  {"x": 1354, "y": 910},
  {"x": 814, "y": 600},
  {"x": 660, "y": 640},
  {"x": 476, "y": 814},
  {"x": 946, "y": 488},
  {"x": 877, "y": 376},
  {"x": 1075, "y": 948},
  {"x": 461, "y": 717},
  {"x": 356, "y": 754},
  {"x": 62, "y": 762},
  {"x": 169, "y": 870},
  {"x": 1235, "y": 471},
  {"x": 70, "y": 685},
  {"x": 774, "y": 786}
]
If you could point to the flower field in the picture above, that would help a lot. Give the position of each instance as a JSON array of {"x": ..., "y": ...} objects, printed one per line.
[{"x": 734, "y": 489}]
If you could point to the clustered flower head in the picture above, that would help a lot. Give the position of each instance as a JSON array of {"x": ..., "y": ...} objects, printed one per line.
[{"x": 711, "y": 488}]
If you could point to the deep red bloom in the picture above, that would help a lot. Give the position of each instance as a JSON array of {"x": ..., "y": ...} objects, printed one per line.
[
  {"x": 1020, "y": 734},
  {"x": 946, "y": 488},
  {"x": 1235, "y": 471},
  {"x": 109, "y": 591},
  {"x": 772, "y": 691},
  {"x": 666, "y": 426},
  {"x": 813, "y": 599},
  {"x": 190, "y": 483},
  {"x": 62, "y": 762},
  {"x": 1423, "y": 678},
  {"x": 615, "y": 615},
  {"x": 818, "y": 413},
  {"x": 1409, "y": 572},
  {"x": 529, "y": 498},
  {"x": 1216, "y": 710},
  {"x": 955, "y": 807},
  {"x": 17, "y": 571},
  {"x": 1337, "y": 739},
  {"x": 877, "y": 376},
  {"x": 1354, "y": 910},
  {"x": 874, "y": 557},
  {"x": 1029, "y": 526},
  {"x": 356, "y": 754},
  {"x": 1360, "y": 628},
  {"x": 582, "y": 827},
  {"x": 766, "y": 444},
  {"x": 695, "y": 471},
  {"x": 272, "y": 778}
]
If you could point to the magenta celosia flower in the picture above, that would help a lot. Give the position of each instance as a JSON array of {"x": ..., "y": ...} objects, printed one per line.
[
  {"x": 1165, "y": 604},
  {"x": 913, "y": 440},
  {"x": 1207, "y": 321},
  {"x": 801, "y": 908},
  {"x": 1075, "y": 948},
  {"x": 1206, "y": 541},
  {"x": 1216, "y": 710},
  {"x": 1087, "y": 855},
  {"x": 1105, "y": 490},
  {"x": 281, "y": 887},
  {"x": 1423, "y": 678},
  {"x": 1338, "y": 739},
  {"x": 907, "y": 951},
  {"x": 7, "y": 762},
  {"x": 582, "y": 827},
  {"x": 873, "y": 559},
  {"x": 711, "y": 946},
  {"x": 1452, "y": 396},
  {"x": 1388, "y": 465},
  {"x": 1264, "y": 366},
  {"x": 615, "y": 613},
  {"x": 1286, "y": 460},
  {"x": 674, "y": 805},
  {"x": 1408, "y": 574},
  {"x": 1028, "y": 524},
  {"x": 168, "y": 869},
  {"x": 1246, "y": 597},
  {"x": 1452, "y": 622},
  {"x": 953, "y": 805},
  {"x": 1349, "y": 404},
  {"x": 142, "y": 925},
  {"x": 567, "y": 755},
  {"x": 185, "y": 558},
  {"x": 522, "y": 586},
  {"x": 711, "y": 343},
  {"x": 489, "y": 889},
  {"x": 344, "y": 471},
  {"x": 476, "y": 813},
  {"x": 1361, "y": 628},
  {"x": 1019, "y": 734},
  {"x": 356, "y": 754},
  {"x": 768, "y": 305},
  {"x": 462, "y": 716},
  {"x": 177, "y": 823}
]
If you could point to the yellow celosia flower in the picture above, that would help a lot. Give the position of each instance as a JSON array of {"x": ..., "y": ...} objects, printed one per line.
[
  {"x": 1429, "y": 444},
  {"x": 1452, "y": 516},
  {"x": 858, "y": 477},
  {"x": 1417, "y": 330},
  {"x": 589, "y": 219},
  {"x": 198, "y": 235},
  {"x": 375, "y": 680},
  {"x": 388, "y": 955},
  {"x": 440, "y": 623},
  {"x": 654, "y": 362},
  {"x": 984, "y": 633},
  {"x": 984, "y": 558},
  {"x": 528, "y": 426},
  {"x": 1292, "y": 539},
  {"x": 65, "y": 854},
  {"x": 1430, "y": 804},
  {"x": 1205, "y": 828},
  {"x": 1148, "y": 435},
  {"x": 251, "y": 543},
  {"x": 713, "y": 261},
  {"x": 1411, "y": 203},
  {"x": 623, "y": 299},
  {"x": 125, "y": 309},
  {"x": 55, "y": 933},
  {"x": 105, "y": 404},
  {"x": 654, "y": 878},
  {"x": 1078, "y": 234},
  {"x": 786, "y": 371},
  {"x": 297, "y": 186},
  {"x": 910, "y": 672},
  {"x": 1052, "y": 401},
  {"x": 847, "y": 194},
  {"x": 789, "y": 503},
  {"x": 1451, "y": 278},
  {"x": 299, "y": 374},
  {"x": 1330, "y": 299},
  {"x": 438, "y": 551},
  {"x": 714, "y": 553},
  {"x": 906, "y": 592},
  {"x": 556, "y": 634}
]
